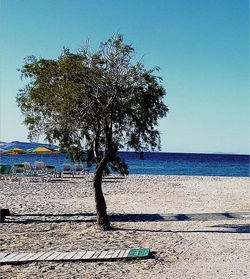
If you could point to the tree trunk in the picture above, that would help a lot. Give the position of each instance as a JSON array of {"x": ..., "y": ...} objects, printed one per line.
[{"x": 101, "y": 208}]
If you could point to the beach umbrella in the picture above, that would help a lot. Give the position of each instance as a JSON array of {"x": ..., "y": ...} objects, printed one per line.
[
  {"x": 40, "y": 150},
  {"x": 14, "y": 151},
  {"x": 60, "y": 150}
]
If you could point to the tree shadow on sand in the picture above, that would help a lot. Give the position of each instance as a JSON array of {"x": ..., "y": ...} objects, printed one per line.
[
  {"x": 114, "y": 218},
  {"x": 221, "y": 228},
  {"x": 51, "y": 218},
  {"x": 224, "y": 228},
  {"x": 179, "y": 217}
]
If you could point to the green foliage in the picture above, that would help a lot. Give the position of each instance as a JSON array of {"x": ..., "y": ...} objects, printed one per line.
[{"x": 96, "y": 101}]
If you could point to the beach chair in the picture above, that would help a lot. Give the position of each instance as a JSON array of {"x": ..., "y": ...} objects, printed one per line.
[
  {"x": 28, "y": 168},
  {"x": 18, "y": 169},
  {"x": 40, "y": 167},
  {"x": 67, "y": 170},
  {"x": 5, "y": 171},
  {"x": 51, "y": 168},
  {"x": 79, "y": 169},
  {"x": 42, "y": 177}
]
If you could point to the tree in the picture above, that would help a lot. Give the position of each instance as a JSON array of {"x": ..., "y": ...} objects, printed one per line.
[{"x": 99, "y": 101}]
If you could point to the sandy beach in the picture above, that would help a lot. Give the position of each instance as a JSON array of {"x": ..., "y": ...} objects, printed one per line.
[{"x": 196, "y": 227}]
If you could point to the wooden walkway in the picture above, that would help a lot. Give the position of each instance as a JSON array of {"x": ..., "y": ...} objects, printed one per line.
[{"x": 6, "y": 258}]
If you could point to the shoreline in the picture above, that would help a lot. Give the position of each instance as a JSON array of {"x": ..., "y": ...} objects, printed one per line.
[
  {"x": 196, "y": 226},
  {"x": 158, "y": 163}
]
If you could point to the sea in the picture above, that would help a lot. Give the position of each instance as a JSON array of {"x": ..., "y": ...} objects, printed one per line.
[{"x": 156, "y": 163}]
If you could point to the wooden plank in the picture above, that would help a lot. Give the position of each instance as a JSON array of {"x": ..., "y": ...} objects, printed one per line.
[
  {"x": 103, "y": 254},
  {"x": 69, "y": 255},
  {"x": 61, "y": 256},
  {"x": 19, "y": 257},
  {"x": 29, "y": 255},
  {"x": 141, "y": 253},
  {"x": 25, "y": 256},
  {"x": 135, "y": 253},
  {"x": 120, "y": 255},
  {"x": 115, "y": 254},
  {"x": 144, "y": 252},
  {"x": 3, "y": 255},
  {"x": 95, "y": 255},
  {"x": 37, "y": 256},
  {"x": 9, "y": 257},
  {"x": 125, "y": 255},
  {"x": 43, "y": 256},
  {"x": 78, "y": 255},
  {"x": 88, "y": 255},
  {"x": 34, "y": 256},
  {"x": 110, "y": 254},
  {"x": 75, "y": 255},
  {"x": 52, "y": 256}
]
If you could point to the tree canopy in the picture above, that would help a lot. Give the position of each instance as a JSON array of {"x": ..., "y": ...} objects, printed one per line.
[{"x": 99, "y": 101}]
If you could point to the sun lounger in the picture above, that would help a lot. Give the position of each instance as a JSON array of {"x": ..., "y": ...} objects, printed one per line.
[
  {"x": 51, "y": 168},
  {"x": 18, "y": 168},
  {"x": 79, "y": 169},
  {"x": 28, "y": 168},
  {"x": 67, "y": 170},
  {"x": 46, "y": 176},
  {"x": 40, "y": 166}
]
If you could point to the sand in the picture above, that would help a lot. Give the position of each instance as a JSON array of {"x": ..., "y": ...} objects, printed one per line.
[{"x": 196, "y": 227}]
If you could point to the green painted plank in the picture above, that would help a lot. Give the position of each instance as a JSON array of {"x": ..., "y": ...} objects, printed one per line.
[
  {"x": 144, "y": 252},
  {"x": 135, "y": 253}
]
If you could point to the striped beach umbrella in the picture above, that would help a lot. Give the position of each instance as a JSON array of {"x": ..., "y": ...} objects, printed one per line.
[
  {"x": 14, "y": 151},
  {"x": 40, "y": 150},
  {"x": 60, "y": 150}
]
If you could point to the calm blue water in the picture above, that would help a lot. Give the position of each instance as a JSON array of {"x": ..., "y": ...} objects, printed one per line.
[{"x": 157, "y": 163}]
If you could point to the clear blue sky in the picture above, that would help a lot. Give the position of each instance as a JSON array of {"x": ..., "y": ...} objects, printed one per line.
[{"x": 201, "y": 47}]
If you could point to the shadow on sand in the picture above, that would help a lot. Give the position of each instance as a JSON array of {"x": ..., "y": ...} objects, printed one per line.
[
  {"x": 179, "y": 217},
  {"x": 237, "y": 228},
  {"x": 91, "y": 218}
]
